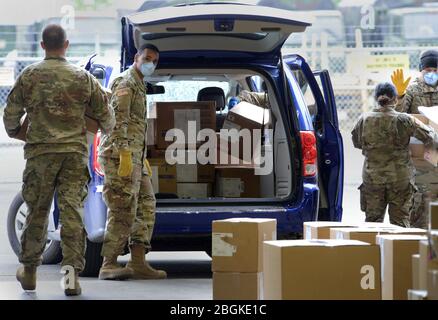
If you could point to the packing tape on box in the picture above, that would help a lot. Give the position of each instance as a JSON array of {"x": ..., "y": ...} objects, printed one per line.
[
  {"x": 308, "y": 232},
  {"x": 382, "y": 258},
  {"x": 221, "y": 248}
]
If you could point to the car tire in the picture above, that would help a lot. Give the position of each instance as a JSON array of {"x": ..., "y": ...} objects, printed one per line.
[
  {"x": 52, "y": 253},
  {"x": 93, "y": 259}
]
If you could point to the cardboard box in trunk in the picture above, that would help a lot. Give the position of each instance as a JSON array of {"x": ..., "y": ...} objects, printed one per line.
[
  {"x": 321, "y": 269},
  {"x": 396, "y": 256},
  {"x": 237, "y": 182},
  {"x": 163, "y": 176},
  {"x": 415, "y": 272},
  {"x": 194, "y": 173},
  {"x": 176, "y": 115},
  {"x": 243, "y": 116},
  {"x": 369, "y": 234},
  {"x": 237, "y": 244},
  {"x": 321, "y": 229},
  {"x": 237, "y": 286},
  {"x": 194, "y": 190}
]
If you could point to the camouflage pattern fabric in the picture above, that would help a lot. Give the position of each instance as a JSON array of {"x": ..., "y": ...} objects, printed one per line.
[
  {"x": 398, "y": 197},
  {"x": 66, "y": 173},
  {"x": 419, "y": 94},
  {"x": 384, "y": 135},
  {"x": 129, "y": 103},
  {"x": 55, "y": 95},
  {"x": 257, "y": 98},
  {"x": 131, "y": 208}
]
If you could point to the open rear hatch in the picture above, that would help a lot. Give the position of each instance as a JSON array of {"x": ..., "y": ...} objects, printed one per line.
[{"x": 211, "y": 28}]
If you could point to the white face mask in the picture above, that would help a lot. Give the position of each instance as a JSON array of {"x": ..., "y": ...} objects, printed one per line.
[
  {"x": 147, "y": 69},
  {"x": 431, "y": 78}
]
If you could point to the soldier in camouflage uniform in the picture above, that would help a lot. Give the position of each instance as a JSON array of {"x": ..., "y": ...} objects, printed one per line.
[
  {"x": 55, "y": 95},
  {"x": 128, "y": 190},
  {"x": 422, "y": 92},
  {"x": 388, "y": 172}
]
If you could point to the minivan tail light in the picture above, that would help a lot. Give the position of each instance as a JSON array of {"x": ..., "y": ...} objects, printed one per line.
[
  {"x": 96, "y": 165},
  {"x": 310, "y": 154}
]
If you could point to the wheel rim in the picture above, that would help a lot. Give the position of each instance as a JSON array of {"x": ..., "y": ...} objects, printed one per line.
[{"x": 20, "y": 221}]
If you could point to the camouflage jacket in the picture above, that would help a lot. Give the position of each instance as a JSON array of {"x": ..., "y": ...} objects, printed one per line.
[
  {"x": 384, "y": 135},
  {"x": 129, "y": 103},
  {"x": 56, "y": 95},
  {"x": 418, "y": 94}
]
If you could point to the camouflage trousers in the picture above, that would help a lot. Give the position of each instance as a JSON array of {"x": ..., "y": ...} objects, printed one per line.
[
  {"x": 131, "y": 208},
  {"x": 398, "y": 197},
  {"x": 426, "y": 180},
  {"x": 67, "y": 174}
]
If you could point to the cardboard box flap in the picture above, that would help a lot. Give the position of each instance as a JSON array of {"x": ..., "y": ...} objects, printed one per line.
[{"x": 316, "y": 243}]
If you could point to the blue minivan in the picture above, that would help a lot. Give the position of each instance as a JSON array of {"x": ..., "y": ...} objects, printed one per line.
[{"x": 220, "y": 50}]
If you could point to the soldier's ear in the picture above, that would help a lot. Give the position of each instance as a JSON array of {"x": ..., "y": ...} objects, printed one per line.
[
  {"x": 43, "y": 45},
  {"x": 66, "y": 44}
]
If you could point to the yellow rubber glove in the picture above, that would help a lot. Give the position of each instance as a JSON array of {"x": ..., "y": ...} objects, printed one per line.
[
  {"x": 125, "y": 167},
  {"x": 148, "y": 167},
  {"x": 399, "y": 82}
]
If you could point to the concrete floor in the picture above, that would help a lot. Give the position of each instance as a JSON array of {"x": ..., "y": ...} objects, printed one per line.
[{"x": 189, "y": 272}]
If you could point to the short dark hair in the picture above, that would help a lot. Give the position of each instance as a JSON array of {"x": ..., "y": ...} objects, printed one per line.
[
  {"x": 54, "y": 37},
  {"x": 149, "y": 46}
]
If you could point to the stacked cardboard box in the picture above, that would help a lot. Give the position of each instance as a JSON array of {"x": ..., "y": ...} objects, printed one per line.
[
  {"x": 195, "y": 181},
  {"x": 321, "y": 269},
  {"x": 396, "y": 257},
  {"x": 176, "y": 115},
  {"x": 432, "y": 265},
  {"x": 237, "y": 257},
  {"x": 189, "y": 180},
  {"x": 237, "y": 181},
  {"x": 421, "y": 156},
  {"x": 369, "y": 234},
  {"x": 243, "y": 116},
  {"x": 163, "y": 176},
  {"x": 227, "y": 180},
  {"x": 323, "y": 229}
]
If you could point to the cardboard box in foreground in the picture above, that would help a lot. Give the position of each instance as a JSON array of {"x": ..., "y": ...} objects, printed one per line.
[
  {"x": 237, "y": 286},
  {"x": 237, "y": 244},
  {"x": 396, "y": 256},
  {"x": 369, "y": 234},
  {"x": 321, "y": 269}
]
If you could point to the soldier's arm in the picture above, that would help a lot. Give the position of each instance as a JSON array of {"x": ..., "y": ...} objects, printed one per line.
[
  {"x": 423, "y": 132},
  {"x": 99, "y": 107},
  {"x": 404, "y": 102},
  {"x": 121, "y": 101},
  {"x": 14, "y": 109},
  {"x": 356, "y": 134}
]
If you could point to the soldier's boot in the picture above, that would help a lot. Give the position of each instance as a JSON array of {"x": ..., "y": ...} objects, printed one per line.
[
  {"x": 142, "y": 269},
  {"x": 76, "y": 289},
  {"x": 26, "y": 275},
  {"x": 111, "y": 270}
]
